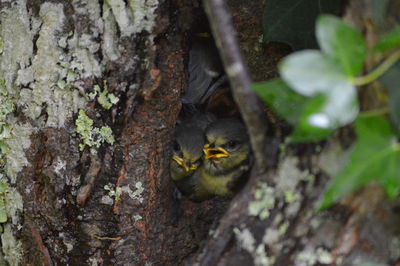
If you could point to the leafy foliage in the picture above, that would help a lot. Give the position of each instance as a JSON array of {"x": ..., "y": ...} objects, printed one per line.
[
  {"x": 326, "y": 75},
  {"x": 317, "y": 94},
  {"x": 389, "y": 40},
  {"x": 341, "y": 43},
  {"x": 375, "y": 156}
]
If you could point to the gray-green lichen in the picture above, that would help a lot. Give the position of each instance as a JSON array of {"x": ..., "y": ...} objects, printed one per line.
[
  {"x": 14, "y": 205},
  {"x": 137, "y": 194},
  {"x": 135, "y": 16},
  {"x": 92, "y": 136},
  {"x": 110, "y": 49},
  {"x": 247, "y": 242},
  {"x": 17, "y": 39},
  {"x": 137, "y": 217},
  {"x": 309, "y": 257},
  {"x": 18, "y": 143},
  {"x": 11, "y": 246},
  {"x": 116, "y": 192},
  {"x": 113, "y": 192},
  {"x": 104, "y": 98},
  {"x": 264, "y": 201},
  {"x": 289, "y": 175},
  {"x": 41, "y": 81}
]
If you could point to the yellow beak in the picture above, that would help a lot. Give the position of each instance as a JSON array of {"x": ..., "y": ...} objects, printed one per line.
[
  {"x": 214, "y": 152},
  {"x": 183, "y": 164}
]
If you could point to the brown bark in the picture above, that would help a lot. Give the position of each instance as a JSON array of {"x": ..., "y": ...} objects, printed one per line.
[{"x": 69, "y": 217}]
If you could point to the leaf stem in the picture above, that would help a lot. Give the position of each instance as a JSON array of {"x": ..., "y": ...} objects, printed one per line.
[{"x": 377, "y": 72}]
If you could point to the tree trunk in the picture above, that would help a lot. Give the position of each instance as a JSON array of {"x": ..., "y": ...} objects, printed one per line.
[{"x": 112, "y": 203}]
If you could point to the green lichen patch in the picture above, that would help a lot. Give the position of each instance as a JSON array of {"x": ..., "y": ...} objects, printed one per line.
[
  {"x": 92, "y": 136},
  {"x": 264, "y": 201},
  {"x": 114, "y": 192},
  {"x": 312, "y": 257},
  {"x": 104, "y": 98},
  {"x": 137, "y": 194}
]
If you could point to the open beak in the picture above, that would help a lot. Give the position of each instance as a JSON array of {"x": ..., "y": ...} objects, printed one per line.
[
  {"x": 214, "y": 153},
  {"x": 183, "y": 164}
]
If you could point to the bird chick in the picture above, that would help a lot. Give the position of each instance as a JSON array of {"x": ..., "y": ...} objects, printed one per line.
[
  {"x": 227, "y": 158},
  {"x": 186, "y": 157}
]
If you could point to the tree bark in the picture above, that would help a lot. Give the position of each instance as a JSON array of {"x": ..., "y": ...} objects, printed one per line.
[{"x": 114, "y": 204}]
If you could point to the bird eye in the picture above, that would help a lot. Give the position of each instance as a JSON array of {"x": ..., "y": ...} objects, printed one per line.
[
  {"x": 176, "y": 146},
  {"x": 232, "y": 144}
]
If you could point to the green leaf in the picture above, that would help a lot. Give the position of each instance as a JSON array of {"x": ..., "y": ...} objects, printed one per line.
[
  {"x": 391, "y": 80},
  {"x": 293, "y": 21},
  {"x": 283, "y": 100},
  {"x": 388, "y": 41},
  {"x": 314, "y": 123},
  {"x": 342, "y": 43},
  {"x": 310, "y": 72},
  {"x": 375, "y": 156}
]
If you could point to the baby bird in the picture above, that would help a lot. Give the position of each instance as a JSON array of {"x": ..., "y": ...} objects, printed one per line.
[
  {"x": 227, "y": 158},
  {"x": 186, "y": 157}
]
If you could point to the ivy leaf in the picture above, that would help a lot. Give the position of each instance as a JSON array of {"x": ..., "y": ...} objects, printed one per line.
[
  {"x": 293, "y": 21},
  {"x": 391, "y": 80},
  {"x": 310, "y": 73},
  {"x": 313, "y": 122},
  {"x": 342, "y": 43},
  {"x": 388, "y": 41},
  {"x": 375, "y": 156},
  {"x": 283, "y": 100}
]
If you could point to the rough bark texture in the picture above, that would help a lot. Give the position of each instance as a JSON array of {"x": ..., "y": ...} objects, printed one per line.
[{"x": 59, "y": 210}]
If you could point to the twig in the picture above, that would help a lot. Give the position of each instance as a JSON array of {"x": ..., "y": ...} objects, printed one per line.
[{"x": 249, "y": 105}]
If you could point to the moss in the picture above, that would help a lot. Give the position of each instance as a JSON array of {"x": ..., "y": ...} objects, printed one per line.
[
  {"x": 90, "y": 136},
  {"x": 264, "y": 201}
]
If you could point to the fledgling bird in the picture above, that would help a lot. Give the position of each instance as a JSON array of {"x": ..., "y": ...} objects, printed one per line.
[
  {"x": 186, "y": 157},
  {"x": 227, "y": 158},
  {"x": 188, "y": 148}
]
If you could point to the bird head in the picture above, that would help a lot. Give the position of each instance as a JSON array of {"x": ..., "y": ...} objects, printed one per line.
[
  {"x": 227, "y": 146},
  {"x": 187, "y": 151}
]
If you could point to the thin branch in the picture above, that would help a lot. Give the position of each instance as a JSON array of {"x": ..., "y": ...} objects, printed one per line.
[
  {"x": 379, "y": 71},
  {"x": 249, "y": 105}
]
